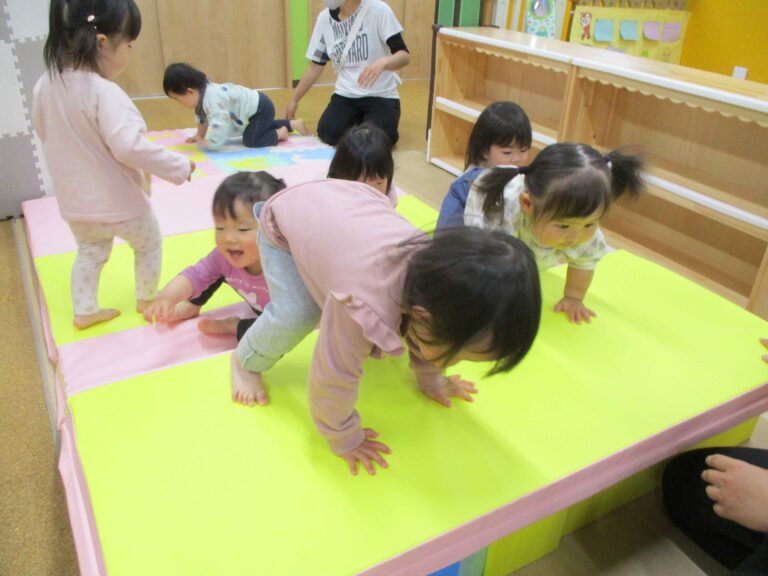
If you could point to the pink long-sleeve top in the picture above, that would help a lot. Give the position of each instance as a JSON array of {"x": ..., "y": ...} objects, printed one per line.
[
  {"x": 95, "y": 148},
  {"x": 345, "y": 239}
]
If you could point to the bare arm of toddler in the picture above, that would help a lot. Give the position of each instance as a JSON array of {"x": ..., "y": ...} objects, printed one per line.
[
  {"x": 163, "y": 309},
  {"x": 199, "y": 136},
  {"x": 577, "y": 283}
]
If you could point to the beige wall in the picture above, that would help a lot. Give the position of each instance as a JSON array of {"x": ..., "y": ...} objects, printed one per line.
[{"x": 244, "y": 41}]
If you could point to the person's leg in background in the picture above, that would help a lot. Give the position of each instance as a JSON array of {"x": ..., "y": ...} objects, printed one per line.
[
  {"x": 340, "y": 114},
  {"x": 261, "y": 130},
  {"x": 688, "y": 506},
  {"x": 384, "y": 113}
]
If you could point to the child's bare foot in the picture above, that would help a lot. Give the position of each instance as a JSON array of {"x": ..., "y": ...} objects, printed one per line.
[
  {"x": 225, "y": 326},
  {"x": 298, "y": 125},
  {"x": 247, "y": 387},
  {"x": 282, "y": 133},
  {"x": 103, "y": 315}
]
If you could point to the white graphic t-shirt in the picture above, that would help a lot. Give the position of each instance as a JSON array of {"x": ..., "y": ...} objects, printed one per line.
[
  {"x": 516, "y": 223},
  {"x": 330, "y": 37}
]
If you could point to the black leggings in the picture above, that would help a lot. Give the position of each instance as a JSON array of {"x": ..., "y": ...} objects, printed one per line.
[
  {"x": 205, "y": 295},
  {"x": 736, "y": 547},
  {"x": 342, "y": 113},
  {"x": 262, "y": 125}
]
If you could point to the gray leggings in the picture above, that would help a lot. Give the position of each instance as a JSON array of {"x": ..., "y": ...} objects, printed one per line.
[{"x": 289, "y": 316}]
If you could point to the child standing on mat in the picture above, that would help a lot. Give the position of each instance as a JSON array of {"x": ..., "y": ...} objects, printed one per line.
[
  {"x": 501, "y": 137},
  {"x": 234, "y": 261},
  {"x": 555, "y": 206},
  {"x": 226, "y": 111},
  {"x": 335, "y": 253},
  {"x": 95, "y": 149}
]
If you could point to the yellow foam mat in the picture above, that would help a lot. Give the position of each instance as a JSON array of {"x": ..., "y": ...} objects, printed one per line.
[{"x": 183, "y": 482}]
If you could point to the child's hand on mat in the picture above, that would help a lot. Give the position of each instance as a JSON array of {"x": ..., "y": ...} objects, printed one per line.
[
  {"x": 160, "y": 310},
  {"x": 192, "y": 168},
  {"x": 739, "y": 490},
  {"x": 575, "y": 310},
  {"x": 454, "y": 387},
  {"x": 367, "y": 453},
  {"x": 193, "y": 139},
  {"x": 764, "y": 342},
  {"x": 371, "y": 72}
]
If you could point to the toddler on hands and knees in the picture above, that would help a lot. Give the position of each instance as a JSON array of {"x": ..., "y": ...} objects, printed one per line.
[
  {"x": 95, "y": 149},
  {"x": 555, "y": 206},
  {"x": 501, "y": 136},
  {"x": 226, "y": 111},
  {"x": 335, "y": 254},
  {"x": 234, "y": 261}
]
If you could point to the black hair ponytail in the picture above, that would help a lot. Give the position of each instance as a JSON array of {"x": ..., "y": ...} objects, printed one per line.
[
  {"x": 491, "y": 185},
  {"x": 73, "y": 26},
  {"x": 626, "y": 174}
]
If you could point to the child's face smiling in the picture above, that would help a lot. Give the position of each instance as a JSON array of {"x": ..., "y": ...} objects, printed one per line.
[
  {"x": 189, "y": 99},
  {"x": 236, "y": 238}
]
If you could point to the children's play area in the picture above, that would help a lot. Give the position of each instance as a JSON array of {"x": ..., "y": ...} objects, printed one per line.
[{"x": 129, "y": 448}]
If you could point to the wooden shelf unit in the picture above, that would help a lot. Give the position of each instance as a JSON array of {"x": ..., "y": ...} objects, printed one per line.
[{"x": 705, "y": 137}]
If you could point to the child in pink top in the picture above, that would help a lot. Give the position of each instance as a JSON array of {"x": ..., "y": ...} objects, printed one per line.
[
  {"x": 234, "y": 261},
  {"x": 335, "y": 252},
  {"x": 95, "y": 149}
]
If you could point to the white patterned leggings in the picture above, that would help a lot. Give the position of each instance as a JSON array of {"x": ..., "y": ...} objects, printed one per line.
[{"x": 94, "y": 245}]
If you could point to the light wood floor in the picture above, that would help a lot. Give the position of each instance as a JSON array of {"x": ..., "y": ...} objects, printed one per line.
[{"x": 35, "y": 538}]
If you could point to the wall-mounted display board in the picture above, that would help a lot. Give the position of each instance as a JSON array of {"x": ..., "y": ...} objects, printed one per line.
[{"x": 647, "y": 32}]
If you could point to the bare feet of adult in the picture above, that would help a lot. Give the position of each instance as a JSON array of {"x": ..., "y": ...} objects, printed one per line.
[
  {"x": 225, "y": 326},
  {"x": 739, "y": 490},
  {"x": 247, "y": 387},
  {"x": 103, "y": 315},
  {"x": 282, "y": 133},
  {"x": 298, "y": 125}
]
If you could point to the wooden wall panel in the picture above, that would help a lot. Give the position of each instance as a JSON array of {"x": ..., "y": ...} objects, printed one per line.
[
  {"x": 144, "y": 75},
  {"x": 238, "y": 41},
  {"x": 417, "y": 21}
]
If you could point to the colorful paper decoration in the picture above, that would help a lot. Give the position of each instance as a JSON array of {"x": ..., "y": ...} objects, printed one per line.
[{"x": 648, "y": 32}]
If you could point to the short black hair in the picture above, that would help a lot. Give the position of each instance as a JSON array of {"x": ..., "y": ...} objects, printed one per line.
[
  {"x": 248, "y": 187},
  {"x": 74, "y": 24},
  {"x": 180, "y": 77},
  {"x": 477, "y": 283},
  {"x": 364, "y": 151},
  {"x": 501, "y": 123}
]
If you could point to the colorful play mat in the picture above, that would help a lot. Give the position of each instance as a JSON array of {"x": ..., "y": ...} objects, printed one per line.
[{"x": 165, "y": 476}]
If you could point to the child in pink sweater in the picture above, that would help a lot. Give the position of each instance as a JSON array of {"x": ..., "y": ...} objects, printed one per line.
[
  {"x": 335, "y": 253},
  {"x": 234, "y": 261},
  {"x": 95, "y": 149}
]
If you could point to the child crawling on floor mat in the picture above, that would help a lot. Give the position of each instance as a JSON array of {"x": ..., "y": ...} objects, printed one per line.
[{"x": 234, "y": 261}]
